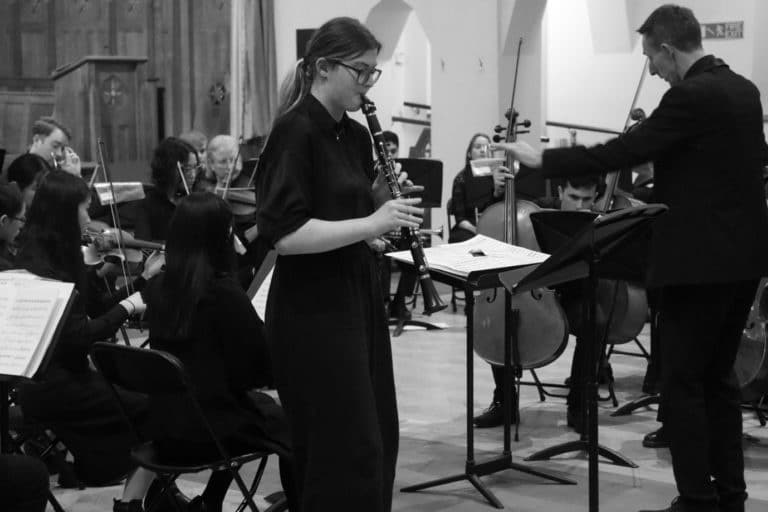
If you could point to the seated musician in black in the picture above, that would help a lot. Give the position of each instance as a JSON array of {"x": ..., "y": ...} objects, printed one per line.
[
  {"x": 198, "y": 312},
  {"x": 576, "y": 193},
  {"x": 70, "y": 398},
  {"x": 471, "y": 195},
  {"x": 154, "y": 211},
  {"x": 26, "y": 171},
  {"x": 12, "y": 212}
]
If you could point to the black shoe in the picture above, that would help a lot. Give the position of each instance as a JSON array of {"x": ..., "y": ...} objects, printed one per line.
[
  {"x": 677, "y": 506},
  {"x": 656, "y": 439},
  {"x": 127, "y": 506},
  {"x": 398, "y": 310},
  {"x": 605, "y": 373},
  {"x": 166, "y": 502},
  {"x": 493, "y": 416}
]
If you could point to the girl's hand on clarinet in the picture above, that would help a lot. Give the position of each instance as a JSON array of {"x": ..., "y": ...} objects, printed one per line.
[
  {"x": 380, "y": 188},
  {"x": 395, "y": 214}
]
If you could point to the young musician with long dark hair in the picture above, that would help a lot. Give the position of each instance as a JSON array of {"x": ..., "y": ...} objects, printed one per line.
[
  {"x": 317, "y": 203},
  {"x": 197, "y": 311},
  {"x": 70, "y": 398}
]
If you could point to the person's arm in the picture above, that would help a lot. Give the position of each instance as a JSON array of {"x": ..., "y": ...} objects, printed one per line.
[
  {"x": 681, "y": 115},
  {"x": 321, "y": 235}
]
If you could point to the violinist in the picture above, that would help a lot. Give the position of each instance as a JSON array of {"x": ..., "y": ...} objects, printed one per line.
[
  {"x": 70, "y": 398},
  {"x": 199, "y": 141},
  {"x": 157, "y": 207},
  {"x": 12, "y": 211},
  {"x": 50, "y": 141},
  {"x": 707, "y": 252},
  {"x": 26, "y": 171}
]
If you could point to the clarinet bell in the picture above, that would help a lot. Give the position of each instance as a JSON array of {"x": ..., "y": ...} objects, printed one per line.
[{"x": 432, "y": 301}]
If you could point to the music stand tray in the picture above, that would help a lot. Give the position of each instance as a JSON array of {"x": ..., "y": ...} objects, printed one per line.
[
  {"x": 610, "y": 246},
  {"x": 473, "y": 470}
]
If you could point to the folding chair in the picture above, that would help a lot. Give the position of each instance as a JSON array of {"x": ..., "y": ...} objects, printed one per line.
[{"x": 155, "y": 373}]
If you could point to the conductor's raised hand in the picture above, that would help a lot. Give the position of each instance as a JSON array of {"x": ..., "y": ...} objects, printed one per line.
[
  {"x": 395, "y": 214},
  {"x": 521, "y": 151}
]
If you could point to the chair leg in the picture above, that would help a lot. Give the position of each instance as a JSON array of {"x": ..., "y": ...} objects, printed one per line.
[{"x": 249, "y": 493}]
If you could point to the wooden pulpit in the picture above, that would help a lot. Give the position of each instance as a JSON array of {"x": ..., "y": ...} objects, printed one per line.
[{"x": 109, "y": 97}]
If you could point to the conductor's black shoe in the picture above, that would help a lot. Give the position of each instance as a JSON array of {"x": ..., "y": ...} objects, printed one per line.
[
  {"x": 656, "y": 439},
  {"x": 678, "y": 506},
  {"x": 493, "y": 416}
]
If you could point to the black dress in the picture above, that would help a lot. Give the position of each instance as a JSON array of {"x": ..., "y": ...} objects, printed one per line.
[
  {"x": 70, "y": 398},
  {"x": 325, "y": 318}
]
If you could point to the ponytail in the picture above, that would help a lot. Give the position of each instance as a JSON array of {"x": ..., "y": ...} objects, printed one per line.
[
  {"x": 339, "y": 39},
  {"x": 294, "y": 88}
]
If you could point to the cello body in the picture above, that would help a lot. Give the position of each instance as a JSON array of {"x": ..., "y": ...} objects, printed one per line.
[
  {"x": 751, "y": 365},
  {"x": 542, "y": 328}
]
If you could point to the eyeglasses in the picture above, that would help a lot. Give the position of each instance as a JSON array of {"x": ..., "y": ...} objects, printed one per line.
[
  {"x": 20, "y": 219},
  {"x": 363, "y": 76}
]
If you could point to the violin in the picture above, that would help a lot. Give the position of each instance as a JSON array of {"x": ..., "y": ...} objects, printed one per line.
[{"x": 104, "y": 244}]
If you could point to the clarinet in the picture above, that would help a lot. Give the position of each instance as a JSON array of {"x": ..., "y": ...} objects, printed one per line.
[{"x": 432, "y": 301}]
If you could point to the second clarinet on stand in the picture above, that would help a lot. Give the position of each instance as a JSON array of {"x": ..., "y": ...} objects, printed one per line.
[{"x": 432, "y": 301}]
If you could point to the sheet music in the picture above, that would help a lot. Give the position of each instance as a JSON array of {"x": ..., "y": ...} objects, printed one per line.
[
  {"x": 473, "y": 255},
  {"x": 259, "y": 300},
  {"x": 30, "y": 310}
]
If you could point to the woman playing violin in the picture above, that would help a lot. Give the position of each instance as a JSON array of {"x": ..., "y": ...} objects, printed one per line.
[
  {"x": 157, "y": 207},
  {"x": 70, "y": 398}
]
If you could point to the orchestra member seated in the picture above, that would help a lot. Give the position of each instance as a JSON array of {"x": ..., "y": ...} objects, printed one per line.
[
  {"x": 471, "y": 195},
  {"x": 199, "y": 141},
  {"x": 70, "y": 398},
  {"x": 12, "y": 211},
  {"x": 26, "y": 171},
  {"x": 156, "y": 209},
  {"x": 50, "y": 141},
  {"x": 198, "y": 312}
]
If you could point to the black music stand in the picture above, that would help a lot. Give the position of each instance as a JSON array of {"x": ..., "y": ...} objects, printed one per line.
[
  {"x": 428, "y": 174},
  {"x": 473, "y": 470},
  {"x": 611, "y": 246}
]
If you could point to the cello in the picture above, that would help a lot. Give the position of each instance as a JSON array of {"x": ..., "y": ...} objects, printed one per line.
[{"x": 542, "y": 328}]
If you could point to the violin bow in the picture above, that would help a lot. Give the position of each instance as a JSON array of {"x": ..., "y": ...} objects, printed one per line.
[
  {"x": 231, "y": 170},
  {"x": 183, "y": 178},
  {"x": 102, "y": 161}
]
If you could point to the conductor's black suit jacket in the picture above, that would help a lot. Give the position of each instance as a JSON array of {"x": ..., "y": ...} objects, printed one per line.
[{"x": 708, "y": 148}]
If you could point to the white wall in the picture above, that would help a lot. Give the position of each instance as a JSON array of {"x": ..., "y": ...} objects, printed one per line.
[{"x": 594, "y": 56}]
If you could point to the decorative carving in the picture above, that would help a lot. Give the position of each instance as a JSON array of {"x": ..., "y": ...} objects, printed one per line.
[
  {"x": 217, "y": 93},
  {"x": 112, "y": 91}
]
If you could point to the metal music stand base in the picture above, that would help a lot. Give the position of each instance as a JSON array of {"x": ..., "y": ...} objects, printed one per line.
[
  {"x": 630, "y": 407},
  {"x": 474, "y": 470}
]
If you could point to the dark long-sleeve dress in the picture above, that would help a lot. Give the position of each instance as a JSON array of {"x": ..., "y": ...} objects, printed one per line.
[
  {"x": 325, "y": 318},
  {"x": 72, "y": 399}
]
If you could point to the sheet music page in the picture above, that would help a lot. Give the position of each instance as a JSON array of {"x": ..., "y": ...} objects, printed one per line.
[
  {"x": 30, "y": 310},
  {"x": 478, "y": 253},
  {"x": 259, "y": 300}
]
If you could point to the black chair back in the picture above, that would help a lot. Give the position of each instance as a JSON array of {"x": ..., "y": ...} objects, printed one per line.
[{"x": 150, "y": 372}]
